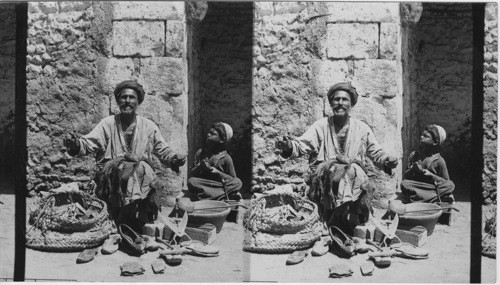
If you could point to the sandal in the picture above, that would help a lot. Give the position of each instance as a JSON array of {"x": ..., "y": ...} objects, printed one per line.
[
  {"x": 340, "y": 270},
  {"x": 366, "y": 269},
  {"x": 172, "y": 259},
  {"x": 132, "y": 268},
  {"x": 321, "y": 247},
  {"x": 87, "y": 255},
  {"x": 381, "y": 262},
  {"x": 296, "y": 257},
  {"x": 111, "y": 244},
  {"x": 201, "y": 249},
  {"x": 158, "y": 266},
  {"x": 151, "y": 244},
  {"x": 407, "y": 250}
]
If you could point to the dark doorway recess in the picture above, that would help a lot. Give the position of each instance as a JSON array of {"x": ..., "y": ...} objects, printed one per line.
[{"x": 221, "y": 80}]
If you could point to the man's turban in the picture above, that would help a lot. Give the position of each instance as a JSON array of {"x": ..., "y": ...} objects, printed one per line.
[
  {"x": 343, "y": 86},
  {"x": 131, "y": 84},
  {"x": 224, "y": 130},
  {"x": 437, "y": 132}
]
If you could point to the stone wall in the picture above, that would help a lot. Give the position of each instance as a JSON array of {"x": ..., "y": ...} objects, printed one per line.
[
  {"x": 7, "y": 85},
  {"x": 224, "y": 87},
  {"x": 490, "y": 103},
  {"x": 444, "y": 80},
  {"x": 298, "y": 53},
  {"x": 77, "y": 53},
  {"x": 62, "y": 89}
]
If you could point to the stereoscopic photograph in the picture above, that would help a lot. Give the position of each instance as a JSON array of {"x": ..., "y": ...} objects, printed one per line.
[{"x": 204, "y": 141}]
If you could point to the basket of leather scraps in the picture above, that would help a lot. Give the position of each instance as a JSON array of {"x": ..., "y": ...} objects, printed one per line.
[
  {"x": 281, "y": 222},
  {"x": 68, "y": 220}
]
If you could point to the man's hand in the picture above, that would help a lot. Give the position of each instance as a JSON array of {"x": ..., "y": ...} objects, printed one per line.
[
  {"x": 72, "y": 144},
  {"x": 178, "y": 159},
  {"x": 391, "y": 162},
  {"x": 284, "y": 145}
]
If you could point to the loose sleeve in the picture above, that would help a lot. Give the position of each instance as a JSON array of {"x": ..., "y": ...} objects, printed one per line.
[
  {"x": 442, "y": 169},
  {"x": 309, "y": 142},
  {"x": 160, "y": 147},
  {"x": 229, "y": 166},
  {"x": 373, "y": 149},
  {"x": 94, "y": 141}
]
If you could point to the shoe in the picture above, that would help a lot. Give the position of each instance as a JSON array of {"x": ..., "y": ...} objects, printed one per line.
[
  {"x": 151, "y": 244},
  {"x": 201, "y": 249},
  {"x": 296, "y": 257},
  {"x": 111, "y": 244},
  {"x": 133, "y": 242},
  {"x": 172, "y": 259},
  {"x": 158, "y": 266},
  {"x": 342, "y": 244},
  {"x": 321, "y": 247},
  {"x": 340, "y": 270},
  {"x": 132, "y": 268},
  {"x": 366, "y": 268},
  {"x": 381, "y": 262},
  {"x": 360, "y": 245},
  {"x": 407, "y": 250},
  {"x": 87, "y": 255}
]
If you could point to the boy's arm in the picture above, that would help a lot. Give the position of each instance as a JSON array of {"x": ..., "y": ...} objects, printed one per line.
[
  {"x": 435, "y": 177},
  {"x": 228, "y": 172},
  {"x": 442, "y": 172}
]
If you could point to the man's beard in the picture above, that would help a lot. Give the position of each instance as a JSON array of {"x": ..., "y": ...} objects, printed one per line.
[
  {"x": 127, "y": 110},
  {"x": 342, "y": 115}
]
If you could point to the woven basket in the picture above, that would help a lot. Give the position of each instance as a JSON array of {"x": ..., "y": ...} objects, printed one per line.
[
  {"x": 50, "y": 212},
  {"x": 281, "y": 243},
  {"x": 64, "y": 242},
  {"x": 263, "y": 219}
]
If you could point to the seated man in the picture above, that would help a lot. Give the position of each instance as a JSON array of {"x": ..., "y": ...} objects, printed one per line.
[
  {"x": 338, "y": 147},
  {"x": 213, "y": 175},
  {"x": 124, "y": 144}
]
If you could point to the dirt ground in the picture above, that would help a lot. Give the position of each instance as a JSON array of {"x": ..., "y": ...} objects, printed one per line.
[{"x": 449, "y": 261}]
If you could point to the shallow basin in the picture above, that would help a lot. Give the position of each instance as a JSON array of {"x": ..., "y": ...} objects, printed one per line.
[
  {"x": 212, "y": 216},
  {"x": 427, "y": 219}
]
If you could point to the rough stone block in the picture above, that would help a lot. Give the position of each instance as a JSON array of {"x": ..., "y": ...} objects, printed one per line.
[
  {"x": 327, "y": 73},
  {"x": 389, "y": 47},
  {"x": 33, "y": 7},
  {"x": 113, "y": 71},
  {"x": 48, "y": 7},
  {"x": 352, "y": 40},
  {"x": 377, "y": 78},
  {"x": 288, "y": 7},
  {"x": 169, "y": 118},
  {"x": 163, "y": 75},
  {"x": 138, "y": 38},
  {"x": 74, "y": 6},
  {"x": 264, "y": 9},
  {"x": 363, "y": 12},
  {"x": 150, "y": 10},
  {"x": 174, "y": 39}
]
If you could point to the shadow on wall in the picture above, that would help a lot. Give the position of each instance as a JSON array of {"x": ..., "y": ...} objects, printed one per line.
[{"x": 222, "y": 80}]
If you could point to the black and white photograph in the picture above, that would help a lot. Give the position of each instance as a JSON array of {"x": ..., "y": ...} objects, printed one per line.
[{"x": 240, "y": 141}]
